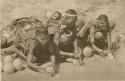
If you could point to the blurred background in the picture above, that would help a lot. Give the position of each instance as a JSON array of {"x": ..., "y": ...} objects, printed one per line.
[{"x": 12, "y": 9}]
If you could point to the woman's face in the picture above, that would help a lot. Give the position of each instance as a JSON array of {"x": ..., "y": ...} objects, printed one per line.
[
  {"x": 55, "y": 16},
  {"x": 101, "y": 24},
  {"x": 69, "y": 20},
  {"x": 42, "y": 40}
]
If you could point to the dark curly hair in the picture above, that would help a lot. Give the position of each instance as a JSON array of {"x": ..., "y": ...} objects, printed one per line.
[
  {"x": 103, "y": 17},
  {"x": 71, "y": 11}
]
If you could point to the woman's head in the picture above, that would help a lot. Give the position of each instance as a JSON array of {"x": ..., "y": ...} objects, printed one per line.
[
  {"x": 42, "y": 35},
  {"x": 56, "y": 15},
  {"x": 103, "y": 20},
  {"x": 70, "y": 16},
  {"x": 42, "y": 39}
]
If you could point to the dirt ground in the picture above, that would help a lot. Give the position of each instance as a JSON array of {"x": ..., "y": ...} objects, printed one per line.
[{"x": 96, "y": 67}]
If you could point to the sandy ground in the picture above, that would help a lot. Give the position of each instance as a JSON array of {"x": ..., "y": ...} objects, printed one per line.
[{"x": 95, "y": 68}]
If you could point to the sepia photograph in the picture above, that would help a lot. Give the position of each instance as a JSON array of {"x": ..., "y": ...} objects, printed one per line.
[{"x": 62, "y": 40}]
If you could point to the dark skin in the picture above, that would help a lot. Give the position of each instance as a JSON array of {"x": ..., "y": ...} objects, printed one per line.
[
  {"x": 92, "y": 40},
  {"x": 54, "y": 21},
  {"x": 69, "y": 21},
  {"x": 8, "y": 47},
  {"x": 30, "y": 56},
  {"x": 56, "y": 16},
  {"x": 15, "y": 44},
  {"x": 11, "y": 49}
]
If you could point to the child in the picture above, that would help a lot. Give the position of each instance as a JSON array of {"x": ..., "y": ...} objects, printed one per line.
[{"x": 53, "y": 27}]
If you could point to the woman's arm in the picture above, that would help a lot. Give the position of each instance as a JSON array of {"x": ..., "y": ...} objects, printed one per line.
[
  {"x": 29, "y": 62},
  {"x": 56, "y": 38},
  {"x": 53, "y": 60},
  {"x": 92, "y": 39},
  {"x": 109, "y": 41},
  {"x": 33, "y": 65},
  {"x": 66, "y": 54},
  {"x": 76, "y": 53},
  {"x": 30, "y": 56}
]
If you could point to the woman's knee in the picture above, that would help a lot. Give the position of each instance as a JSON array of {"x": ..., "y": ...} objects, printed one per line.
[{"x": 63, "y": 38}]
